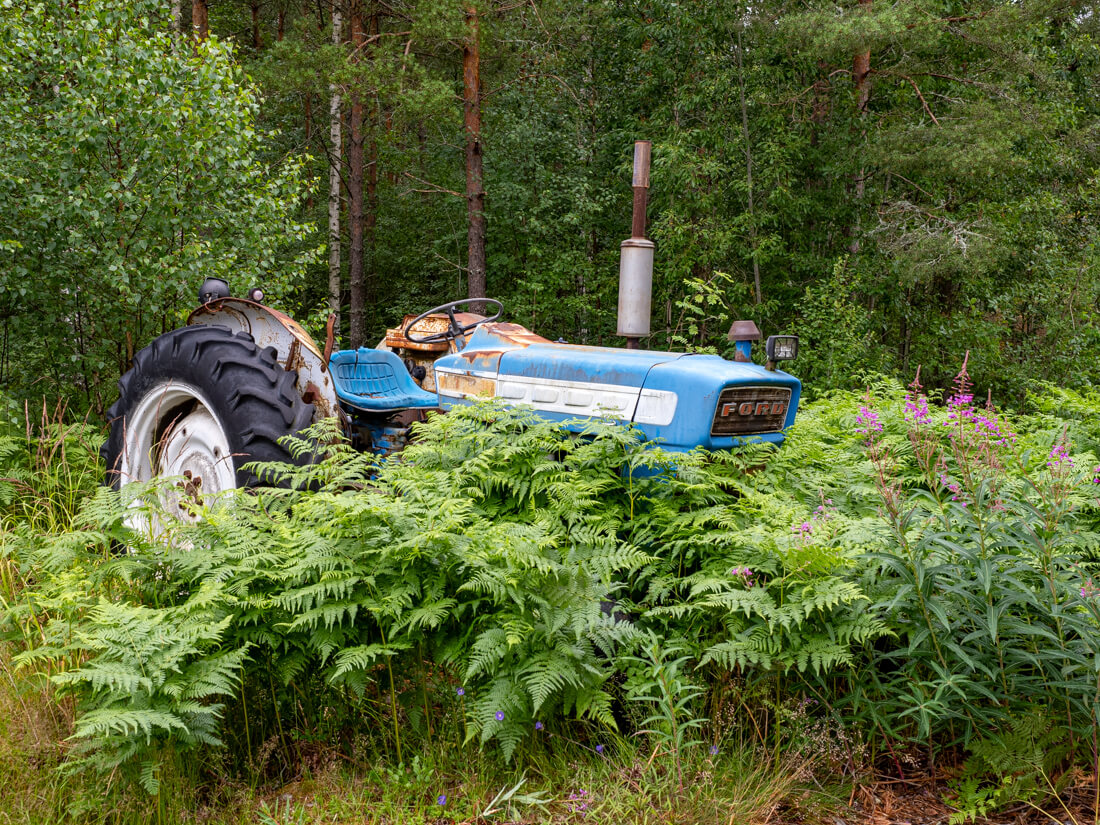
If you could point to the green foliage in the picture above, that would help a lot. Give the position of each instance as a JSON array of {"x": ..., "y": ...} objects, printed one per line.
[
  {"x": 1011, "y": 766},
  {"x": 131, "y": 174},
  {"x": 659, "y": 681}
]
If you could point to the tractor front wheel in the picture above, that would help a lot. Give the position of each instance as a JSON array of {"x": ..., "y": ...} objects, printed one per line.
[{"x": 199, "y": 403}]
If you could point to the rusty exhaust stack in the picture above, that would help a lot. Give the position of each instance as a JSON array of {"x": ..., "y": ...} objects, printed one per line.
[{"x": 636, "y": 259}]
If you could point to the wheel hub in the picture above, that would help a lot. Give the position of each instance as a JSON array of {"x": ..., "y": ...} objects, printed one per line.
[
  {"x": 195, "y": 447},
  {"x": 172, "y": 433}
]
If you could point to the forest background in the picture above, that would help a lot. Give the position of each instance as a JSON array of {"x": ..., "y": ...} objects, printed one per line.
[{"x": 895, "y": 182}]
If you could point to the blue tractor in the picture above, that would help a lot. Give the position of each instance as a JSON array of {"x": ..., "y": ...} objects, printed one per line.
[{"x": 202, "y": 401}]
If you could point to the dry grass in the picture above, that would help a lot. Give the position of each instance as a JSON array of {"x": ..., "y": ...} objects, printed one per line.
[{"x": 33, "y": 729}]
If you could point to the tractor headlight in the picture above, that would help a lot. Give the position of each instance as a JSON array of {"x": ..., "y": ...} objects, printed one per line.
[{"x": 782, "y": 347}]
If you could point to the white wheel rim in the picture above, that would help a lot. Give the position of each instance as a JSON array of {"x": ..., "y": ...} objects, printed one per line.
[{"x": 173, "y": 432}]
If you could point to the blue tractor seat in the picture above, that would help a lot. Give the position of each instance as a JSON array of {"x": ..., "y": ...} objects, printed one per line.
[{"x": 375, "y": 380}]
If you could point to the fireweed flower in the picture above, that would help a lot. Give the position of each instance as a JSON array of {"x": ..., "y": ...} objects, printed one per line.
[
  {"x": 868, "y": 421},
  {"x": 1058, "y": 457},
  {"x": 499, "y": 715},
  {"x": 916, "y": 410},
  {"x": 745, "y": 573},
  {"x": 952, "y": 487}
]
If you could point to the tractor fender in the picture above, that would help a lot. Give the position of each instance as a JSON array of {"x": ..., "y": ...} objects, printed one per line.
[{"x": 296, "y": 350}]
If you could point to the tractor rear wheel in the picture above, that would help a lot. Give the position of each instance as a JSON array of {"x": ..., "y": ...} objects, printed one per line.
[{"x": 201, "y": 402}]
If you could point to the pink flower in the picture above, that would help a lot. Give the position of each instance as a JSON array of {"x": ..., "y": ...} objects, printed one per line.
[{"x": 868, "y": 421}]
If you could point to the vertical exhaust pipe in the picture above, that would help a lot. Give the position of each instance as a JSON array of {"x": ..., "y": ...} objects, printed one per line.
[{"x": 636, "y": 259}]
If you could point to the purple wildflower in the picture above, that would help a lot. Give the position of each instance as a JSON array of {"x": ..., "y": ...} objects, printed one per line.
[
  {"x": 1059, "y": 455},
  {"x": 577, "y": 801},
  {"x": 868, "y": 421},
  {"x": 713, "y": 750},
  {"x": 499, "y": 715},
  {"x": 538, "y": 725},
  {"x": 460, "y": 691},
  {"x": 952, "y": 487},
  {"x": 916, "y": 410},
  {"x": 599, "y": 748},
  {"x": 441, "y": 799}
]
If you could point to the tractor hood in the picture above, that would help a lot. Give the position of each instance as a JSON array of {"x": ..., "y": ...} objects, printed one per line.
[{"x": 684, "y": 400}]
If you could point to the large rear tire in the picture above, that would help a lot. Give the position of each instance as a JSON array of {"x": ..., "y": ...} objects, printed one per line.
[{"x": 201, "y": 402}]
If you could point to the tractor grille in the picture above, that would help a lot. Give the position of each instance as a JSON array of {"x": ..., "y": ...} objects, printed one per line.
[{"x": 743, "y": 410}]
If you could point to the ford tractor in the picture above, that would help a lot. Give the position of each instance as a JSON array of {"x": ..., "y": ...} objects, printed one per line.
[{"x": 203, "y": 401}]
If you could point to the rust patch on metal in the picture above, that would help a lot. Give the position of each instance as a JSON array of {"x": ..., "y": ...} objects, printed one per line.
[
  {"x": 330, "y": 341},
  {"x": 439, "y": 322},
  {"x": 406, "y": 417},
  {"x": 313, "y": 395},
  {"x": 466, "y": 385},
  {"x": 219, "y": 306},
  {"x": 432, "y": 324},
  {"x": 294, "y": 359},
  {"x": 516, "y": 334},
  {"x": 228, "y": 305},
  {"x": 484, "y": 359}
]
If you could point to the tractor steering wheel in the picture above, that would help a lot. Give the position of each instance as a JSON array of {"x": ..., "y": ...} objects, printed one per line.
[{"x": 454, "y": 328}]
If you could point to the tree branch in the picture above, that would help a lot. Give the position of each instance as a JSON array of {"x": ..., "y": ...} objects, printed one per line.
[
  {"x": 916, "y": 89},
  {"x": 432, "y": 188}
]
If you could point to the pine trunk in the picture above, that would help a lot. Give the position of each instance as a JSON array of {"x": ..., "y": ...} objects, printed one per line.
[
  {"x": 198, "y": 19},
  {"x": 371, "y": 219},
  {"x": 257, "y": 41},
  {"x": 475, "y": 186}
]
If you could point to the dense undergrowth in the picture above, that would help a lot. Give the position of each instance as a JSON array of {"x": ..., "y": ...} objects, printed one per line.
[{"x": 904, "y": 589}]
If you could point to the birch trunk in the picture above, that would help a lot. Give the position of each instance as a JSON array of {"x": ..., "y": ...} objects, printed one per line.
[
  {"x": 357, "y": 307},
  {"x": 335, "y": 156}
]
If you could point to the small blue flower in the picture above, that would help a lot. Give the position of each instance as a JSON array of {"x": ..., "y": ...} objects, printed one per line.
[
  {"x": 460, "y": 691},
  {"x": 442, "y": 799},
  {"x": 538, "y": 725},
  {"x": 599, "y": 748},
  {"x": 713, "y": 750},
  {"x": 500, "y": 715}
]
